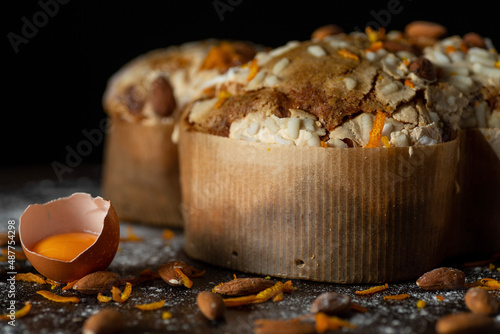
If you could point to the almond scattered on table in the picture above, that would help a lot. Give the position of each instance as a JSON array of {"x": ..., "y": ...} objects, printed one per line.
[
  {"x": 443, "y": 278},
  {"x": 331, "y": 303},
  {"x": 106, "y": 321},
  {"x": 464, "y": 322},
  {"x": 211, "y": 305},
  {"x": 479, "y": 300}
]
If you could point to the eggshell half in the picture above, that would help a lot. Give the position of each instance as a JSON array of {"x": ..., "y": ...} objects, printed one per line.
[{"x": 79, "y": 212}]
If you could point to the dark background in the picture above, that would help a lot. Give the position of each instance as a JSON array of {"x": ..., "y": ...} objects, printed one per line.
[{"x": 55, "y": 82}]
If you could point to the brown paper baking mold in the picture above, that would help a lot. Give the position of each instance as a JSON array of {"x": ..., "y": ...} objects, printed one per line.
[
  {"x": 324, "y": 214},
  {"x": 141, "y": 173},
  {"x": 477, "y": 214}
]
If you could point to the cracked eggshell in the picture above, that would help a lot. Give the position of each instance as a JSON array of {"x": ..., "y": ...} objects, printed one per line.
[{"x": 79, "y": 212}]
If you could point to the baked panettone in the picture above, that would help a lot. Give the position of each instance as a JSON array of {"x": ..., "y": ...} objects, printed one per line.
[
  {"x": 333, "y": 159},
  {"x": 142, "y": 100}
]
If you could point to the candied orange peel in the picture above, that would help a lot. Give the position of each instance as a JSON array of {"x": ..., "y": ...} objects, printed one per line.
[
  {"x": 421, "y": 303},
  {"x": 221, "y": 57},
  {"x": 151, "y": 306},
  {"x": 409, "y": 83},
  {"x": 397, "y": 297},
  {"x": 276, "y": 293},
  {"x": 103, "y": 298},
  {"x": 485, "y": 283},
  {"x": 254, "y": 69},
  {"x": 168, "y": 234},
  {"x": 30, "y": 277},
  {"x": 131, "y": 236},
  {"x": 375, "y": 35},
  {"x": 376, "y": 131},
  {"x": 69, "y": 285},
  {"x": 344, "y": 53},
  {"x": 119, "y": 296},
  {"x": 439, "y": 297},
  {"x": 325, "y": 322},
  {"x": 373, "y": 289},
  {"x": 385, "y": 141},
  {"x": 166, "y": 315},
  {"x": 57, "y": 298},
  {"x": 23, "y": 311},
  {"x": 223, "y": 96}
]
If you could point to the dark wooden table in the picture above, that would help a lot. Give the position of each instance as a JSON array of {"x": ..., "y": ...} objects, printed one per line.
[{"x": 20, "y": 187}]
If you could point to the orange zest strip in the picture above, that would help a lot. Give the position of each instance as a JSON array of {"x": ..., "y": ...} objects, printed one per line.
[
  {"x": 490, "y": 283},
  {"x": 397, "y": 297},
  {"x": 358, "y": 308},
  {"x": 373, "y": 290},
  {"x": 275, "y": 293},
  {"x": 131, "y": 236},
  {"x": 254, "y": 69},
  {"x": 30, "y": 277},
  {"x": 385, "y": 141},
  {"x": 421, "y": 303},
  {"x": 240, "y": 301},
  {"x": 409, "y": 83},
  {"x": 119, "y": 296},
  {"x": 69, "y": 285},
  {"x": 183, "y": 278},
  {"x": 450, "y": 48},
  {"x": 151, "y": 306},
  {"x": 168, "y": 234},
  {"x": 375, "y": 35},
  {"x": 325, "y": 323},
  {"x": 223, "y": 96},
  {"x": 485, "y": 283},
  {"x": 344, "y": 53},
  {"x": 56, "y": 298},
  {"x": 375, "y": 46},
  {"x": 376, "y": 131},
  {"x": 102, "y": 298},
  {"x": 440, "y": 298},
  {"x": 17, "y": 314}
]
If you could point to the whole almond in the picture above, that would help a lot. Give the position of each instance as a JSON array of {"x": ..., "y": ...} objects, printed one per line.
[
  {"x": 464, "y": 322},
  {"x": 133, "y": 98},
  {"x": 472, "y": 39},
  {"x": 326, "y": 30},
  {"x": 395, "y": 46},
  {"x": 168, "y": 274},
  {"x": 211, "y": 305},
  {"x": 479, "y": 300},
  {"x": 426, "y": 29},
  {"x": 423, "y": 68},
  {"x": 331, "y": 303},
  {"x": 99, "y": 281},
  {"x": 243, "y": 286},
  {"x": 162, "y": 97},
  {"x": 443, "y": 278},
  {"x": 106, "y": 321}
]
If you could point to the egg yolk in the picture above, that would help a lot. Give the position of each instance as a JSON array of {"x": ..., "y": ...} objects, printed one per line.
[{"x": 65, "y": 246}]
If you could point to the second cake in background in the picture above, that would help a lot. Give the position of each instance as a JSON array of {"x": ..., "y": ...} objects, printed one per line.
[{"x": 142, "y": 100}]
